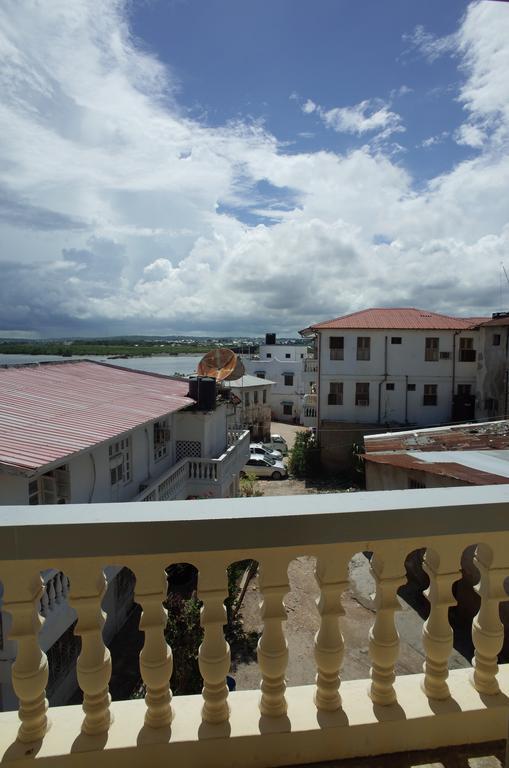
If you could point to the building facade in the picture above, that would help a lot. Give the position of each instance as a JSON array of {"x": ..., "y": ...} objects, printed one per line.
[{"x": 284, "y": 365}]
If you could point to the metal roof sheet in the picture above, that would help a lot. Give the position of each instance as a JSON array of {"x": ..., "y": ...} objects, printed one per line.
[
  {"x": 452, "y": 469},
  {"x": 477, "y": 436},
  {"x": 400, "y": 318},
  {"x": 49, "y": 411}
]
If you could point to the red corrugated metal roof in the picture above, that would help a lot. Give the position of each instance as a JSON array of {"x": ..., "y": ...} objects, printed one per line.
[
  {"x": 443, "y": 469},
  {"x": 51, "y": 410},
  {"x": 401, "y": 318}
]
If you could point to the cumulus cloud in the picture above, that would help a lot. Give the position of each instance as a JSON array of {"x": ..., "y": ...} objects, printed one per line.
[{"x": 123, "y": 214}]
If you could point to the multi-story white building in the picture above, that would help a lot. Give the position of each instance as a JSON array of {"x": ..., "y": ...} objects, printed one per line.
[
  {"x": 283, "y": 364},
  {"x": 250, "y": 400},
  {"x": 400, "y": 366},
  {"x": 84, "y": 432}
]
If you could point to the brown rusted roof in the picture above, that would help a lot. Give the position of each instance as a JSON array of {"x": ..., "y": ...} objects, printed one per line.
[
  {"x": 475, "y": 437},
  {"x": 443, "y": 469}
]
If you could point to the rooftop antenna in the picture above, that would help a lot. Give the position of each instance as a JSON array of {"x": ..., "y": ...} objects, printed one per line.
[{"x": 507, "y": 278}]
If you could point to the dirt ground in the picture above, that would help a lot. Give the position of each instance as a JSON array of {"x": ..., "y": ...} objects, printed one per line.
[{"x": 303, "y": 618}]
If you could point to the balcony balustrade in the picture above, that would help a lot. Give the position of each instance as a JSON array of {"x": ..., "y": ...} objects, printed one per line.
[
  {"x": 275, "y": 725},
  {"x": 310, "y": 365},
  {"x": 195, "y": 475}
]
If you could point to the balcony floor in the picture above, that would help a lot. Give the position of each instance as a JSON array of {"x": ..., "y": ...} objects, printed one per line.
[{"x": 488, "y": 755}]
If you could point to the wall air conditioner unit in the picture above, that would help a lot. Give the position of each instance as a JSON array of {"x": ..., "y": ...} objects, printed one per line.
[
  {"x": 445, "y": 355},
  {"x": 363, "y": 402}
]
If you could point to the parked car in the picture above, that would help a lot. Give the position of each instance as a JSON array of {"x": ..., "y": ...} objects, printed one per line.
[
  {"x": 264, "y": 466},
  {"x": 259, "y": 450},
  {"x": 276, "y": 443}
]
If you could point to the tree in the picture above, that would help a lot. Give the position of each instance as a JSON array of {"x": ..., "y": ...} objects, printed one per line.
[{"x": 305, "y": 455}]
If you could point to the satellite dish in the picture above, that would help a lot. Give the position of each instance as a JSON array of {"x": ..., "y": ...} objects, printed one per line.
[{"x": 222, "y": 364}]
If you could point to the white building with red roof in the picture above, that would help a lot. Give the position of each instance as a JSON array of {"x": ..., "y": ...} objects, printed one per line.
[
  {"x": 392, "y": 366},
  {"x": 82, "y": 432}
]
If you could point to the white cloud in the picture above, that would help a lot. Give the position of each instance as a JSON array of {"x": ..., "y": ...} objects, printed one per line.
[
  {"x": 120, "y": 213},
  {"x": 308, "y": 107},
  {"x": 431, "y": 46},
  {"x": 432, "y": 141},
  {"x": 368, "y": 116},
  {"x": 470, "y": 135}
]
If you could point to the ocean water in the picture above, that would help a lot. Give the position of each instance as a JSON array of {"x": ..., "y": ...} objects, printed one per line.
[{"x": 168, "y": 365}]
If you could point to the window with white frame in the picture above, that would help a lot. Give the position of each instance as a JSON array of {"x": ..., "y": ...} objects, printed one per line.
[
  {"x": 288, "y": 379},
  {"x": 336, "y": 347},
  {"x": 362, "y": 393},
  {"x": 363, "y": 347},
  {"x": 467, "y": 351},
  {"x": 161, "y": 439},
  {"x": 54, "y": 487},
  {"x": 335, "y": 393},
  {"x": 431, "y": 349},
  {"x": 120, "y": 462},
  {"x": 430, "y": 394}
]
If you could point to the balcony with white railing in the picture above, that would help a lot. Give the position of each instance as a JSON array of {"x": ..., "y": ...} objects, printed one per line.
[
  {"x": 310, "y": 365},
  {"x": 202, "y": 477},
  {"x": 274, "y": 725},
  {"x": 309, "y": 410}
]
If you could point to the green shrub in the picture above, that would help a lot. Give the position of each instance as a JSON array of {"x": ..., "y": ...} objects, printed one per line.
[{"x": 305, "y": 455}]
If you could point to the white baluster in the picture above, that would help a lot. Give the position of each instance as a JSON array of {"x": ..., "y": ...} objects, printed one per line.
[
  {"x": 331, "y": 573},
  {"x": 65, "y": 586},
  {"x": 214, "y": 652},
  {"x": 388, "y": 570},
  {"x": 30, "y": 670},
  {"x": 487, "y": 629},
  {"x": 156, "y": 663},
  {"x": 272, "y": 646},
  {"x": 443, "y": 570},
  {"x": 88, "y": 586}
]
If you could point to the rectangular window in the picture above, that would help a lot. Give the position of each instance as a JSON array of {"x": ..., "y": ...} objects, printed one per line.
[
  {"x": 287, "y": 355},
  {"x": 269, "y": 354},
  {"x": 335, "y": 393},
  {"x": 491, "y": 405},
  {"x": 415, "y": 483},
  {"x": 496, "y": 339},
  {"x": 396, "y": 340},
  {"x": 362, "y": 393},
  {"x": 389, "y": 386},
  {"x": 260, "y": 374},
  {"x": 431, "y": 349},
  {"x": 54, "y": 487},
  {"x": 410, "y": 387},
  {"x": 336, "y": 347},
  {"x": 467, "y": 351},
  {"x": 255, "y": 397},
  {"x": 287, "y": 409},
  {"x": 120, "y": 461},
  {"x": 445, "y": 355},
  {"x": 246, "y": 398},
  {"x": 288, "y": 379},
  {"x": 264, "y": 396},
  {"x": 161, "y": 439},
  {"x": 464, "y": 389},
  {"x": 363, "y": 347},
  {"x": 430, "y": 394}
]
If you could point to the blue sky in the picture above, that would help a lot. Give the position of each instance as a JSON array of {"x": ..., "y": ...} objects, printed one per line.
[
  {"x": 231, "y": 167},
  {"x": 263, "y": 60}
]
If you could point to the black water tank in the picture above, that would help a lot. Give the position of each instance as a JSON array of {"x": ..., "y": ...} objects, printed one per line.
[
  {"x": 206, "y": 393},
  {"x": 270, "y": 338},
  {"x": 193, "y": 387}
]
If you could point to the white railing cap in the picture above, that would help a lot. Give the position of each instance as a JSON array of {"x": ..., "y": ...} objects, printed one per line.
[{"x": 88, "y": 530}]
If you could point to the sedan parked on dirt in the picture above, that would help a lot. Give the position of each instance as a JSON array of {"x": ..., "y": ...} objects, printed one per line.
[
  {"x": 258, "y": 449},
  {"x": 264, "y": 466},
  {"x": 276, "y": 443}
]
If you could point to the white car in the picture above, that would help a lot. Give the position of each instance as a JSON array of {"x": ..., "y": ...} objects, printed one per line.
[
  {"x": 258, "y": 449},
  {"x": 277, "y": 443},
  {"x": 265, "y": 467}
]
